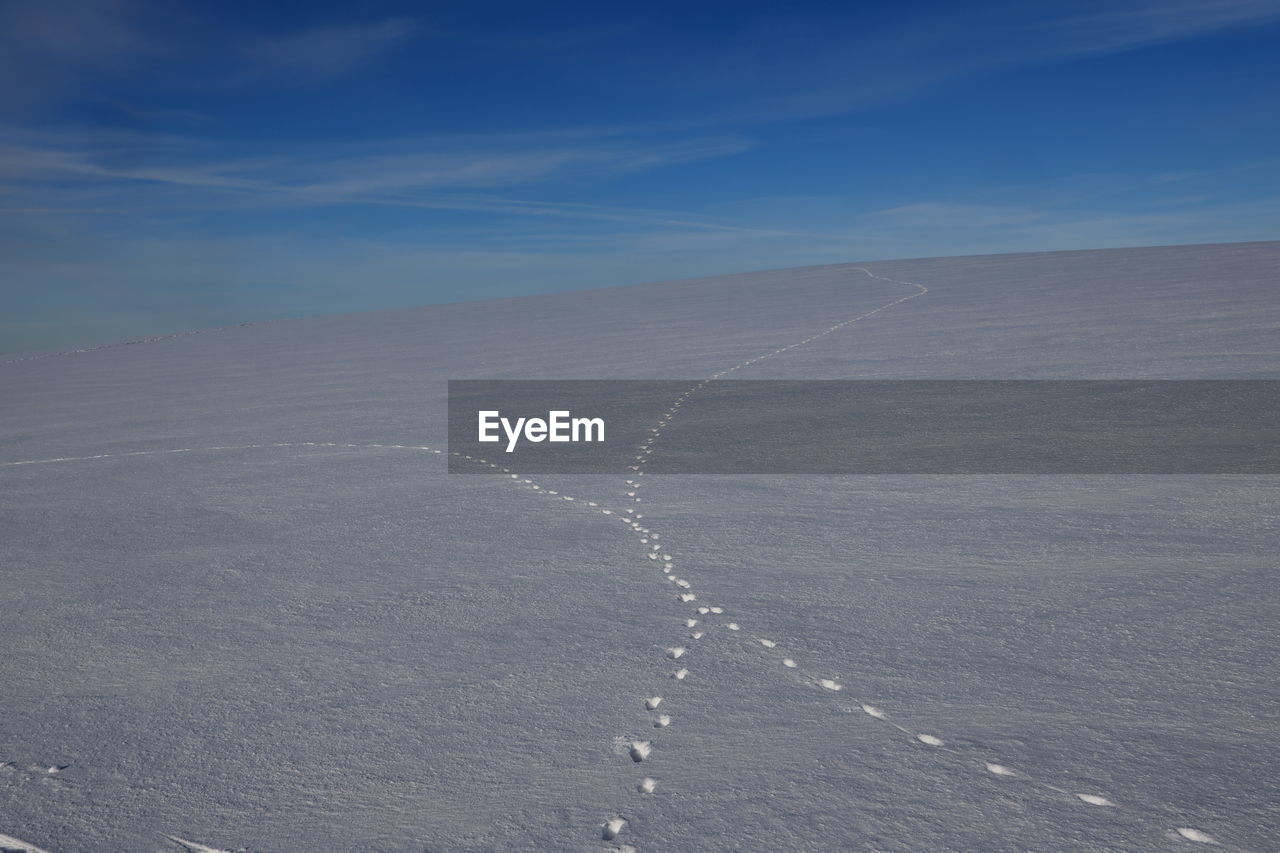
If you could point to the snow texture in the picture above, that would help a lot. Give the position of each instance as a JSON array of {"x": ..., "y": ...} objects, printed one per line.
[{"x": 244, "y": 603}]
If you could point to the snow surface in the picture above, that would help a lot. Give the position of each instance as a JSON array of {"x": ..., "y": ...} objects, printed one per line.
[{"x": 245, "y": 608}]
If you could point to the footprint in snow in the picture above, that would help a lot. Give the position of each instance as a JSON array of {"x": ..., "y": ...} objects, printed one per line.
[
  {"x": 1095, "y": 800},
  {"x": 612, "y": 827},
  {"x": 652, "y": 702},
  {"x": 640, "y": 750},
  {"x": 1191, "y": 834},
  {"x": 930, "y": 740}
]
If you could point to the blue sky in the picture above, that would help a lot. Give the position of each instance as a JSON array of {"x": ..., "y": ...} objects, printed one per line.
[{"x": 166, "y": 166}]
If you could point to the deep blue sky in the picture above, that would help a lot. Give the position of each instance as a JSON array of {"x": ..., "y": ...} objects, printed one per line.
[{"x": 166, "y": 166}]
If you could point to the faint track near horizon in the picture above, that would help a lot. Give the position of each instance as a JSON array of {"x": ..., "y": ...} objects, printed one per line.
[{"x": 150, "y": 339}]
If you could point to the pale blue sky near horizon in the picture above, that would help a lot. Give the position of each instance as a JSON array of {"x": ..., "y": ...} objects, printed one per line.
[{"x": 171, "y": 166}]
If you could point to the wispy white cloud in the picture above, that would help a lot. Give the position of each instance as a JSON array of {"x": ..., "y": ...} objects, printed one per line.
[
  {"x": 1091, "y": 28},
  {"x": 790, "y": 66},
  {"x": 117, "y": 213},
  {"x": 445, "y": 178}
]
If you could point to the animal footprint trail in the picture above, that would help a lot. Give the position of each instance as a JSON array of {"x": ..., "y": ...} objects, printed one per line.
[
  {"x": 1001, "y": 770},
  {"x": 926, "y": 739},
  {"x": 638, "y": 750},
  {"x": 630, "y": 517},
  {"x": 650, "y": 538}
]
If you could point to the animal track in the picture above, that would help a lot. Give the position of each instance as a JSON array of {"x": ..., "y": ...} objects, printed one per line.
[
  {"x": 789, "y": 663},
  {"x": 639, "y": 750}
]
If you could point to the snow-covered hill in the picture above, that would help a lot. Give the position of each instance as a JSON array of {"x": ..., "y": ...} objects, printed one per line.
[{"x": 245, "y": 607}]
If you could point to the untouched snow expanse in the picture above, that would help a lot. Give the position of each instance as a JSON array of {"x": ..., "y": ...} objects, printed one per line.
[{"x": 245, "y": 608}]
